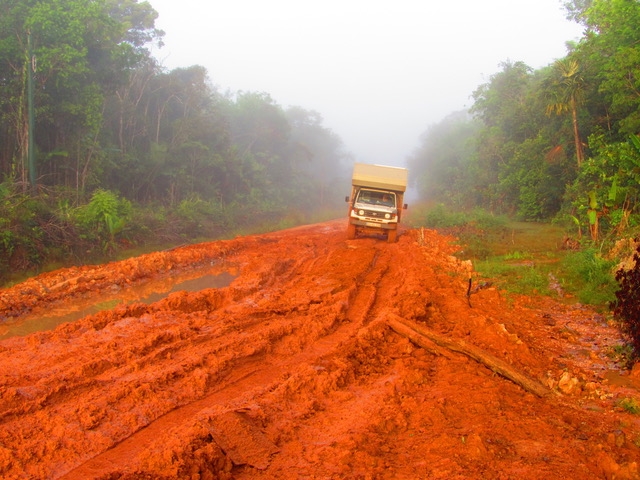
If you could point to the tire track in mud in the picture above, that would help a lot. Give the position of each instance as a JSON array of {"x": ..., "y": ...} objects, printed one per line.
[
  {"x": 281, "y": 313},
  {"x": 261, "y": 373}
]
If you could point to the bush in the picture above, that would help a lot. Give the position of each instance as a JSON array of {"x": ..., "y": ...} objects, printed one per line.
[
  {"x": 22, "y": 244},
  {"x": 443, "y": 217},
  {"x": 103, "y": 218},
  {"x": 487, "y": 220},
  {"x": 591, "y": 275},
  {"x": 626, "y": 307},
  {"x": 200, "y": 218}
]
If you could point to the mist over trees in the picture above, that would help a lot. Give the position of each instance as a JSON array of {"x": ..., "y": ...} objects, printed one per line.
[
  {"x": 561, "y": 141},
  {"x": 128, "y": 151}
]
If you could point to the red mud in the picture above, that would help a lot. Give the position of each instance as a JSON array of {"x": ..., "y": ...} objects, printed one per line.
[{"x": 292, "y": 371}]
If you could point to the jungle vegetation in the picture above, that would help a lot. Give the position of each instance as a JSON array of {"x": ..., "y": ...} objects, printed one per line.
[
  {"x": 557, "y": 144},
  {"x": 126, "y": 152},
  {"x": 560, "y": 142}
]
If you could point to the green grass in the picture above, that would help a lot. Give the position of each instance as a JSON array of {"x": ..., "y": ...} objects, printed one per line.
[
  {"x": 517, "y": 256},
  {"x": 630, "y": 405},
  {"x": 524, "y": 278},
  {"x": 439, "y": 216},
  {"x": 525, "y": 257},
  {"x": 591, "y": 275}
]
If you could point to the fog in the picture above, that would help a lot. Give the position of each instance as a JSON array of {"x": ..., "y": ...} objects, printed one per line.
[{"x": 379, "y": 73}]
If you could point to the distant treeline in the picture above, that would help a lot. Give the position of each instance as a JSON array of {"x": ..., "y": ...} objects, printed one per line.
[
  {"x": 126, "y": 151},
  {"x": 559, "y": 142}
]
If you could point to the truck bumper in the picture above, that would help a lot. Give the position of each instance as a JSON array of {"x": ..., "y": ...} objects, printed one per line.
[{"x": 372, "y": 227}]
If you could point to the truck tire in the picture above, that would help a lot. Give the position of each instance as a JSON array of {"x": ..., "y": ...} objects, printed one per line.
[
  {"x": 351, "y": 232},
  {"x": 392, "y": 236}
]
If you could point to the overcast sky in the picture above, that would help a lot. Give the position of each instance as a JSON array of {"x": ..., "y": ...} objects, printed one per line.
[{"x": 379, "y": 72}]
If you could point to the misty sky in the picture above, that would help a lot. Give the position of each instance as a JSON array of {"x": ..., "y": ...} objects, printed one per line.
[{"x": 379, "y": 72}]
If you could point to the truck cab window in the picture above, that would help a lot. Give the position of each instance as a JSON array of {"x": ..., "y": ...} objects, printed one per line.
[{"x": 376, "y": 198}]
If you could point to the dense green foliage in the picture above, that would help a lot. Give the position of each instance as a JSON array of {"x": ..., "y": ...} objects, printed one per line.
[
  {"x": 557, "y": 142},
  {"x": 127, "y": 151}
]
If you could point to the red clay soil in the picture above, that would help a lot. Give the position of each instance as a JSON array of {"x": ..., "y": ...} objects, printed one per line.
[{"x": 294, "y": 371}]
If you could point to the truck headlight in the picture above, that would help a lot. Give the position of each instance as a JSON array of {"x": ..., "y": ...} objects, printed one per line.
[
  {"x": 361, "y": 212},
  {"x": 387, "y": 216}
]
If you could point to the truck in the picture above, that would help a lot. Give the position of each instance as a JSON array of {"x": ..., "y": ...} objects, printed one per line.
[{"x": 375, "y": 204}]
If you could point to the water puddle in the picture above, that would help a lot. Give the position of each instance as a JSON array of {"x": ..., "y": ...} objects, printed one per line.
[
  {"x": 194, "y": 285},
  {"x": 148, "y": 293}
]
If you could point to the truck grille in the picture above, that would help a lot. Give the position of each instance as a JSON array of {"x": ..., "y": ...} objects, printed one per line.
[{"x": 374, "y": 215}]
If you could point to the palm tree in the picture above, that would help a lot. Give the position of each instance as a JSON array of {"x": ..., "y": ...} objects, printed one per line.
[{"x": 567, "y": 90}]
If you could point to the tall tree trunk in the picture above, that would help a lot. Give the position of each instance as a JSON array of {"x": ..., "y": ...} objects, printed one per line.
[{"x": 576, "y": 133}]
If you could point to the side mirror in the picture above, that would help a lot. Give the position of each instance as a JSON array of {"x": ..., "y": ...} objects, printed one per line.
[
  {"x": 405, "y": 206},
  {"x": 346, "y": 199}
]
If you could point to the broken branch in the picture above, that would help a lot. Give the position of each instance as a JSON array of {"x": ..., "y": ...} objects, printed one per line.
[{"x": 425, "y": 338}]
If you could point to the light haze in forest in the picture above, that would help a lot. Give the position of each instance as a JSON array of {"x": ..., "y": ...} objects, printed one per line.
[{"x": 379, "y": 73}]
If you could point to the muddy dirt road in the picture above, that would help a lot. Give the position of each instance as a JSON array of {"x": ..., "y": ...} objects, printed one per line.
[{"x": 309, "y": 365}]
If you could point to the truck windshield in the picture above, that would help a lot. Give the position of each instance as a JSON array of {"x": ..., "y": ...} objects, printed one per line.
[{"x": 374, "y": 197}]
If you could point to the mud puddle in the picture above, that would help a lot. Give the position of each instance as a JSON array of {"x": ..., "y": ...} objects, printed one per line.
[{"x": 148, "y": 293}]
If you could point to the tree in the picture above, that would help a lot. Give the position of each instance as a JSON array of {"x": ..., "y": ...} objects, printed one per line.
[
  {"x": 169, "y": 134},
  {"x": 505, "y": 105},
  {"x": 317, "y": 159},
  {"x": 443, "y": 166},
  {"x": 576, "y": 10},
  {"x": 615, "y": 32},
  {"x": 13, "y": 79},
  {"x": 260, "y": 133},
  {"x": 84, "y": 50},
  {"x": 566, "y": 91},
  {"x": 499, "y": 103}
]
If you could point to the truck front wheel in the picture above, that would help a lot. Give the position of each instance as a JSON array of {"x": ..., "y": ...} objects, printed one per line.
[
  {"x": 392, "y": 236},
  {"x": 351, "y": 231}
]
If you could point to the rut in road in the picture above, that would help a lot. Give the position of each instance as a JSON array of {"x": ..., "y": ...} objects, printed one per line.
[{"x": 349, "y": 301}]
